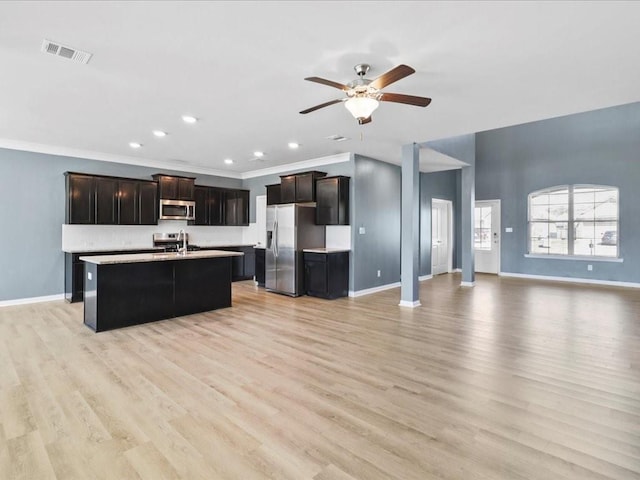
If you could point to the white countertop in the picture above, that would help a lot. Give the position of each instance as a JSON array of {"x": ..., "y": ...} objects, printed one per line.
[
  {"x": 326, "y": 250},
  {"x": 157, "y": 257},
  {"x": 115, "y": 249}
]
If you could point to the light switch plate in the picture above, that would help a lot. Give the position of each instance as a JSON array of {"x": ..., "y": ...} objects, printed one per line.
[
  {"x": 361, "y": 230},
  {"x": 89, "y": 276},
  {"x": 508, "y": 229}
]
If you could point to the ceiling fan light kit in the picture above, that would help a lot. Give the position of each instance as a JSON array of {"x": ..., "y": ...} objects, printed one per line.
[{"x": 363, "y": 95}]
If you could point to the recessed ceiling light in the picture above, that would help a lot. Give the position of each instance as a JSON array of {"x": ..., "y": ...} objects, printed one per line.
[
  {"x": 159, "y": 133},
  {"x": 135, "y": 144},
  {"x": 293, "y": 145},
  {"x": 228, "y": 161},
  {"x": 189, "y": 119},
  {"x": 258, "y": 154}
]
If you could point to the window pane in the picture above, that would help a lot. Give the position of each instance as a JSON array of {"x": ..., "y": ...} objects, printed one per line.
[
  {"x": 559, "y": 212},
  {"x": 559, "y": 198},
  {"x": 593, "y": 220},
  {"x": 482, "y": 231},
  {"x": 606, "y": 242},
  {"x": 542, "y": 199},
  {"x": 539, "y": 212}
]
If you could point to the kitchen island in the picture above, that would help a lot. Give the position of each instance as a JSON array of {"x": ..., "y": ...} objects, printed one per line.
[{"x": 130, "y": 289}]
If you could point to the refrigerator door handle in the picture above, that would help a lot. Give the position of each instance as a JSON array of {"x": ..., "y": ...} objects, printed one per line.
[{"x": 275, "y": 238}]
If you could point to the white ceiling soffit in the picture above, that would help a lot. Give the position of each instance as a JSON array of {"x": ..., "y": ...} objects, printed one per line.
[
  {"x": 432, "y": 161},
  {"x": 239, "y": 67}
]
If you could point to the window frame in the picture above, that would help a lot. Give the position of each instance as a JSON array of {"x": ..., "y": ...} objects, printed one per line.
[{"x": 571, "y": 221}]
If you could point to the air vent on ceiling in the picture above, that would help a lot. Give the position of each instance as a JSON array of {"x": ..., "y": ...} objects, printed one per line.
[
  {"x": 337, "y": 138},
  {"x": 65, "y": 51}
]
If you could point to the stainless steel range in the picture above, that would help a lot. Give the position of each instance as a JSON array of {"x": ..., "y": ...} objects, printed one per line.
[{"x": 172, "y": 242}]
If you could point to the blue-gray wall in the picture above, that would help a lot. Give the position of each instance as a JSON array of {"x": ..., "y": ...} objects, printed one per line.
[
  {"x": 444, "y": 186},
  {"x": 376, "y": 207},
  {"x": 598, "y": 147},
  {"x": 32, "y": 189}
]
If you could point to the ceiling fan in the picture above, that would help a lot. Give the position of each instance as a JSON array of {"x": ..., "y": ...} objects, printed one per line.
[{"x": 364, "y": 95}]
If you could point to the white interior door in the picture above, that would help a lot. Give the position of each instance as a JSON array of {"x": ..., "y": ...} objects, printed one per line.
[
  {"x": 486, "y": 236},
  {"x": 441, "y": 238}
]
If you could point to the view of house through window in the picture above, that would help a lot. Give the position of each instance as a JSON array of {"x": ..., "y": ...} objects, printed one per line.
[
  {"x": 579, "y": 220},
  {"x": 482, "y": 228}
]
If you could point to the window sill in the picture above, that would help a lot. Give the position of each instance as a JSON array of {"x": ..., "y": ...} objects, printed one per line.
[{"x": 575, "y": 257}]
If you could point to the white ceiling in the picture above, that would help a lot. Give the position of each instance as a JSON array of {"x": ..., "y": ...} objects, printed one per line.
[{"x": 239, "y": 67}]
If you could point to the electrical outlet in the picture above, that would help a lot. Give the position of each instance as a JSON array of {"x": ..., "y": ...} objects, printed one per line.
[
  {"x": 590, "y": 267},
  {"x": 361, "y": 231},
  {"x": 378, "y": 273}
]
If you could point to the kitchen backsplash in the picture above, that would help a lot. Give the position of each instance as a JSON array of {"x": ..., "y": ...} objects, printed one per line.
[
  {"x": 85, "y": 238},
  {"x": 77, "y": 238}
]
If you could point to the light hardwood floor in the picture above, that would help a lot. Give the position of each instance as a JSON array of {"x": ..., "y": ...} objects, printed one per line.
[{"x": 512, "y": 379}]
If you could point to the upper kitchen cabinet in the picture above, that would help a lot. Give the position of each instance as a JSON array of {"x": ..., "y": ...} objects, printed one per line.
[
  {"x": 102, "y": 200},
  {"x": 273, "y": 194},
  {"x": 201, "y": 197},
  {"x": 217, "y": 206},
  {"x": 299, "y": 187},
  {"x": 80, "y": 200},
  {"x": 332, "y": 201},
  {"x": 147, "y": 203},
  {"x": 175, "y": 188},
  {"x": 236, "y": 207},
  {"x": 128, "y": 202},
  {"x": 137, "y": 202}
]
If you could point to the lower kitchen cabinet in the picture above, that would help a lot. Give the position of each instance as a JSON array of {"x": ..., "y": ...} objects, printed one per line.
[
  {"x": 260, "y": 266},
  {"x": 242, "y": 268},
  {"x": 74, "y": 272},
  {"x": 326, "y": 274}
]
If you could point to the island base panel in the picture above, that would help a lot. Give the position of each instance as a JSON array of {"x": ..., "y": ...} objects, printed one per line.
[{"x": 121, "y": 295}]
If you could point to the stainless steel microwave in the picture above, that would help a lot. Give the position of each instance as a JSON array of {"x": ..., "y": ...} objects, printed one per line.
[{"x": 177, "y": 210}]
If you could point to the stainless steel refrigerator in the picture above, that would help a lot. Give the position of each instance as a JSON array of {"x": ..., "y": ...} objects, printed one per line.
[{"x": 290, "y": 228}]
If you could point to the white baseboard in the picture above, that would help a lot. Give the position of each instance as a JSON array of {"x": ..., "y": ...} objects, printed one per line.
[
  {"x": 467, "y": 284},
  {"x": 407, "y": 303},
  {"x": 590, "y": 281},
  {"x": 424, "y": 277},
  {"x": 368, "y": 291},
  {"x": 456, "y": 270},
  {"x": 25, "y": 301}
]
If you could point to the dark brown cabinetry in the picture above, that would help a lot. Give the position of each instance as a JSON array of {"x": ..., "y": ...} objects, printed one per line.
[
  {"x": 260, "y": 266},
  {"x": 201, "y": 197},
  {"x": 326, "y": 274},
  {"x": 175, "y": 188},
  {"x": 299, "y": 187},
  {"x": 273, "y": 194},
  {"x": 102, "y": 200},
  {"x": 332, "y": 201},
  {"x": 80, "y": 200},
  {"x": 242, "y": 267},
  {"x": 74, "y": 271},
  {"x": 147, "y": 203},
  {"x": 128, "y": 202},
  {"x": 221, "y": 206},
  {"x": 236, "y": 207}
]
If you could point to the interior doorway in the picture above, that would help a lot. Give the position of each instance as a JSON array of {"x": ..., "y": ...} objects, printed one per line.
[
  {"x": 486, "y": 236},
  {"x": 441, "y": 236}
]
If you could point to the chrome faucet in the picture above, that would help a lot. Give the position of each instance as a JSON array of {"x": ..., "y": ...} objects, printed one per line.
[{"x": 183, "y": 249}]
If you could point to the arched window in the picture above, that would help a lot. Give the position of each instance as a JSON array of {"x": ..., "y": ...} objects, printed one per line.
[{"x": 576, "y": 220}]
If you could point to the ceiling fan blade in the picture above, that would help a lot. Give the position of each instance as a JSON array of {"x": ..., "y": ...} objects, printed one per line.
[
  {"x": 322, "y": 105},
  {"x": 329, "y": 83},
  {"x": 408, "y": 99},
  {"x": 362, "y": 121},
  {"x": 391, "y": 76}
]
